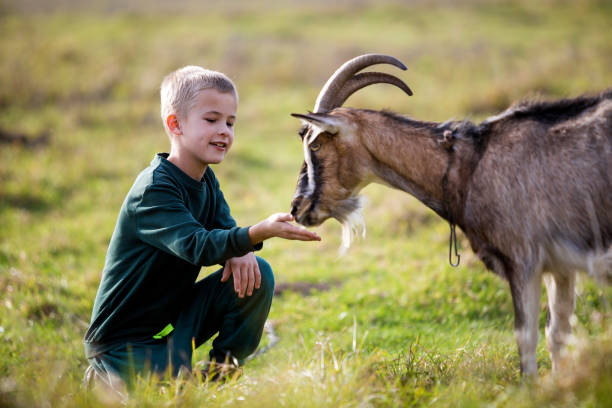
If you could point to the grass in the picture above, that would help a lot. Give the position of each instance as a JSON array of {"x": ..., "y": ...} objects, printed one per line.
[{"x": 391, "y": 323}]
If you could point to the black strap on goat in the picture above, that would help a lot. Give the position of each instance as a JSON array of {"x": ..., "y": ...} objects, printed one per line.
[{"x": 447, "y": 142}]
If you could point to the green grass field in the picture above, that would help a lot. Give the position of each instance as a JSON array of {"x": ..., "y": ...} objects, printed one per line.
[{"x": 388, "y": 324}]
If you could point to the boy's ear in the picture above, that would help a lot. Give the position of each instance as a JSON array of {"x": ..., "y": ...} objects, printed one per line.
[{"x": 173, "y": 124}]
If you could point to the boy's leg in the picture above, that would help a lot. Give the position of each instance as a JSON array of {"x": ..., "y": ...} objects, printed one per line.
[
  {"x": 215, "y": 307},
  {"x": 115, "y": 370},
  {"x": 103, "y": 379}
]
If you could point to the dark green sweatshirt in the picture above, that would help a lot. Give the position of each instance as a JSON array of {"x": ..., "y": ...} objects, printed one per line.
[{"x": 168, "y": 227}]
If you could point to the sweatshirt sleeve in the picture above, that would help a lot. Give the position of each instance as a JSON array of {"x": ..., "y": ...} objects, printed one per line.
[{"x": 163, "y": 221}]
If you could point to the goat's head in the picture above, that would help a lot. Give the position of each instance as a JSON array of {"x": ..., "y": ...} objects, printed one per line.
[{"x": 335, "y": 159}]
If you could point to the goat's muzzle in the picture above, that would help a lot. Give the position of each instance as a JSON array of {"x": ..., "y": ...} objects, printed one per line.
[
  {"x": 301, "y": 209},
  {"x": 295, "y": 203}
]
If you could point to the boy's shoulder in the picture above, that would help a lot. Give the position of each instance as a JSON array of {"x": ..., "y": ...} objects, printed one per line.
[
  {"x": 155, "y": 173},
  {"x": 164, "y": 174}
]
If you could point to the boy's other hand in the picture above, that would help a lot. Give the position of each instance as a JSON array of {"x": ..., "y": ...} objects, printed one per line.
[
  {"x": 279, "y": 225},
  {"x": 246, "y": 274}
]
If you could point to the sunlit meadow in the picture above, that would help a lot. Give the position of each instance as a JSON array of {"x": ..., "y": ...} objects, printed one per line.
[{"x": 388, "y": 324}]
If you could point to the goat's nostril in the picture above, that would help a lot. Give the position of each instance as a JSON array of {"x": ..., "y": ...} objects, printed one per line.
[{"x": 295, "y": 203}]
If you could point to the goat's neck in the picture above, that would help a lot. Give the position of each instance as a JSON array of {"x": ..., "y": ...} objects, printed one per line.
[{"x": 407, "y": 156}]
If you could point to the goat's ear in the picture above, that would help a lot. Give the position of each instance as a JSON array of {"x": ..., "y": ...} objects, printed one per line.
[{"x": 323, "y": 121}]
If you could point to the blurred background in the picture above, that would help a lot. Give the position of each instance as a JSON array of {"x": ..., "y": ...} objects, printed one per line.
[{"x": 79, "y": 119}]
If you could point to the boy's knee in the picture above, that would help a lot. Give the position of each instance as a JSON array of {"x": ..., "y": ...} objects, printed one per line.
[{"x": 267, "y": 276}]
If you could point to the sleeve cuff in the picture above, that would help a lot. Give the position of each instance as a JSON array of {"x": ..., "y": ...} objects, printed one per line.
[{"x": 244, "y": 242}]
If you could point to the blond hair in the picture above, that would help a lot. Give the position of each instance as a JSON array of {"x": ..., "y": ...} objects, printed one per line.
[{"x": 180, "y": 88}]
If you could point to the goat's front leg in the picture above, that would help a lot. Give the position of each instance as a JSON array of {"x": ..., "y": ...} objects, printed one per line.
[
  {"x": 561, "y": 300},
  {"x": 526, "y": 287}
]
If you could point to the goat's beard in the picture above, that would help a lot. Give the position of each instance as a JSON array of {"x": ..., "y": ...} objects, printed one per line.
[{"x": 348, "y": 213}]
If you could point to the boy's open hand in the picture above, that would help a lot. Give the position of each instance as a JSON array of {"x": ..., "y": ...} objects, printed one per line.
[
  {"x": 278, "y": 225},
  {"x": 246, "y": 274}
]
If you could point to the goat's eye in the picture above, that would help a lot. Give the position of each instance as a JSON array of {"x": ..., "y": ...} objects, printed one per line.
[{"x": 315, "y": 146}]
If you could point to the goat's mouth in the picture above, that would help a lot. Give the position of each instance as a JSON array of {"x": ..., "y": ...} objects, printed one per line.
[
  {"x": 309, "y": 221},
  {"x": 305, "y": 212},
  {"x": 310, "y": 218},
  {"x": 347, "y": 212}
]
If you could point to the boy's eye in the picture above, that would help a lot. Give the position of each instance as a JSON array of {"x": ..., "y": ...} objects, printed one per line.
[
  {"x": 230, "y": 124},
  {"x": 210, "y": 120}
]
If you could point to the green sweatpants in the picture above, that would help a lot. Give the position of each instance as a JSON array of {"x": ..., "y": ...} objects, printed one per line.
[{"x": 213, "y": 308}]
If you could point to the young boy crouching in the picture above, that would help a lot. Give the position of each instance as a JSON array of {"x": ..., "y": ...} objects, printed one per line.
[{"x": 149, "y": 313}]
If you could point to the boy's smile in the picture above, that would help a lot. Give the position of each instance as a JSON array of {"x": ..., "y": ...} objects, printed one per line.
[
  {"x": 220, "y": 145},
  {"x": 205, "y": 134}
]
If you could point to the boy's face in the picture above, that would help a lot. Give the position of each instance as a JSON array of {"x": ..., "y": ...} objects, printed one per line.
[{"x": 207, "y": 131}]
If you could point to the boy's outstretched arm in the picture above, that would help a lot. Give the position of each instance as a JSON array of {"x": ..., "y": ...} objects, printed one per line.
[
  {"x": 278, "y": 225},
  {"x": 244, "y": 269}
]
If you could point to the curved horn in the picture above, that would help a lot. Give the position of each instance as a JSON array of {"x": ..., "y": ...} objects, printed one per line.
[
  {"x": 327, "y": 100},
  {"x": 368, "y": 78}
]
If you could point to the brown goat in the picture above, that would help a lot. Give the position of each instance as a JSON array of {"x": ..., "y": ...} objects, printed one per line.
[{"x": 531, "y": 188}]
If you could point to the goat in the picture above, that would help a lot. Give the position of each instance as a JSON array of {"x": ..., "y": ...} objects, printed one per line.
[{"x": 531, "y": 188}]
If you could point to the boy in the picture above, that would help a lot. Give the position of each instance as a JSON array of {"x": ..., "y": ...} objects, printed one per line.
[{"x": 149, "y": 314}]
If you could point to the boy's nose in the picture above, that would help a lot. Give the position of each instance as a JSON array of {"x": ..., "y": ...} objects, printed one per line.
[{"x": 224, "y": 130}]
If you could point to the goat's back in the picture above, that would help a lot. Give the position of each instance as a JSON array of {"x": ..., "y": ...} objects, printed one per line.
[{"x": 543, "y": 184}]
